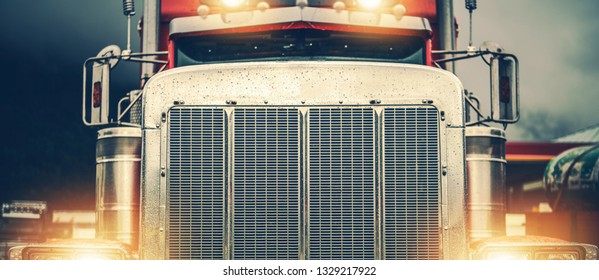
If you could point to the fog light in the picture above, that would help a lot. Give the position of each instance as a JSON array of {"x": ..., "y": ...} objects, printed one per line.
[
  {"x": 399, "y": 11},
  {"x": 262, "y": 6},
  {"x": 339, "y": 6},
  {"x": 203, "y": 10}
]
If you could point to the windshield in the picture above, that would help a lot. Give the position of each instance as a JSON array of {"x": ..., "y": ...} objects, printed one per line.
[{"x": 299, "y": 44}]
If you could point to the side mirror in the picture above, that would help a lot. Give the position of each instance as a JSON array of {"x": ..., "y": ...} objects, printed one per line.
[
  {"x": 100, "y": 85},
  {"x": 100, "y": 93},
  {"x": 505, "y": 96}
]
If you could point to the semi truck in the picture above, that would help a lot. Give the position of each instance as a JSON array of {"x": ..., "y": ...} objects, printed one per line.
[{"x": 308, "y": 129}]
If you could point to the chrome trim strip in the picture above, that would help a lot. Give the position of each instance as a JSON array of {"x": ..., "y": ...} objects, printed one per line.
[{"x": 295, "y": 14}]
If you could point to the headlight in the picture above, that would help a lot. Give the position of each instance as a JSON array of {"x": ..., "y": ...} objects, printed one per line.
[
  {"x": 516, "y": 252},
  {"x": 72, "y": 250},
  {"x": 563, "y": 255},
  {"x": 233, "y": 3},
  {"x": 370, "y": 4},
  {"x": 532, "y": 248},
  {"x": 14, "y": 253},
  {"x": 507, "y": 255}
]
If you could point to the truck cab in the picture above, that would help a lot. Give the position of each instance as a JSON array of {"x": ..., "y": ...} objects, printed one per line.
[
  {"x": 298, "y": 130},
  {"x": 302, "y": 133}
]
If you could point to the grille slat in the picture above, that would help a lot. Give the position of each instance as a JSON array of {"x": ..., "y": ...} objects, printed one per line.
[
  {"x": 196, "y": 184},
  {"x": 341, "y": 191},
  {"x": 266, "y": 184},
  {"x": 411, "y": 183}
]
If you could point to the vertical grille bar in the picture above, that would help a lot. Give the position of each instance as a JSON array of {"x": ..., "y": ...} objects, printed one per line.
[
  {"x": 266, "y": 184},
  {"x": 342, "y": 183},
  {"x": 196, "y": 183},
  {"x": 411, "y": 183}
]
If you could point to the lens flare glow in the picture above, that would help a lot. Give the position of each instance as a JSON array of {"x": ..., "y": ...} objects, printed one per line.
[
  {"x": 92, "y": 257},
  {"x": 370, "y": 4},
  {"x": 508, "y": 255},
  {"x": 233, "y": 3}
]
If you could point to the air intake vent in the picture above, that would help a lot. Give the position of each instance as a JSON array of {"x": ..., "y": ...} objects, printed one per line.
[
  {"x": 411, "y": 183},
  {"x": 342, "y": 184},
  {"x": 196, "y": 191},
  {"x": 266, "y": 184}
]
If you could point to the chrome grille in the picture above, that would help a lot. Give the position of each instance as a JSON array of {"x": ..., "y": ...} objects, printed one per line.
[
  {"x": 411, "y": 183},
  {"x": 234, "y": 186},
  {"x": 266, "y": 184},
  {"x": 342, "y": 183},
  {"x": 196, "y": 183}
]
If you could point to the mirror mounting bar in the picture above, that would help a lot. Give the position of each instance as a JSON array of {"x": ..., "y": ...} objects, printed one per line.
[
  {"x": 504, "y": 71},
  {"x": 102, "y": 62}
]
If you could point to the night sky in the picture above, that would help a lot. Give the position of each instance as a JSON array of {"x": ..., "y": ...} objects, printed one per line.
[{"x": 46, "y": 153}]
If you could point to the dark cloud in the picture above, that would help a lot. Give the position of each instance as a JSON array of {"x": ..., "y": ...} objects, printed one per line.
[
  {"x": 584, "y": 55},
  {"x": 556, "y": 44},
  {"x": 541, "y": 125}
]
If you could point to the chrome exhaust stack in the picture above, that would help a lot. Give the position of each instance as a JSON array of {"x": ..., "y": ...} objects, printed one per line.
[
  {"x": 118, "y": 158},
  {"x": 486, "y": 165}
]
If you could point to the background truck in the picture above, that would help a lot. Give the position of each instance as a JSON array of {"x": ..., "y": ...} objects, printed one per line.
[{"x": 300, "y": 130}]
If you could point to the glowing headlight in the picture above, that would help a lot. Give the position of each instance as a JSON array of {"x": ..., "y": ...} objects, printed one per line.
[
  {"x": 233, "y": 3},
  {"x": 15, "y": 253},
  {"x": 532, "y": 248},
  {"x": 508, "y": 255},
  {"x": 72, "y": 254},
  {"x": 565, "y": 256},
  {"x": 370, "y": 4},
  {"x": 72, "y": 250}
]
